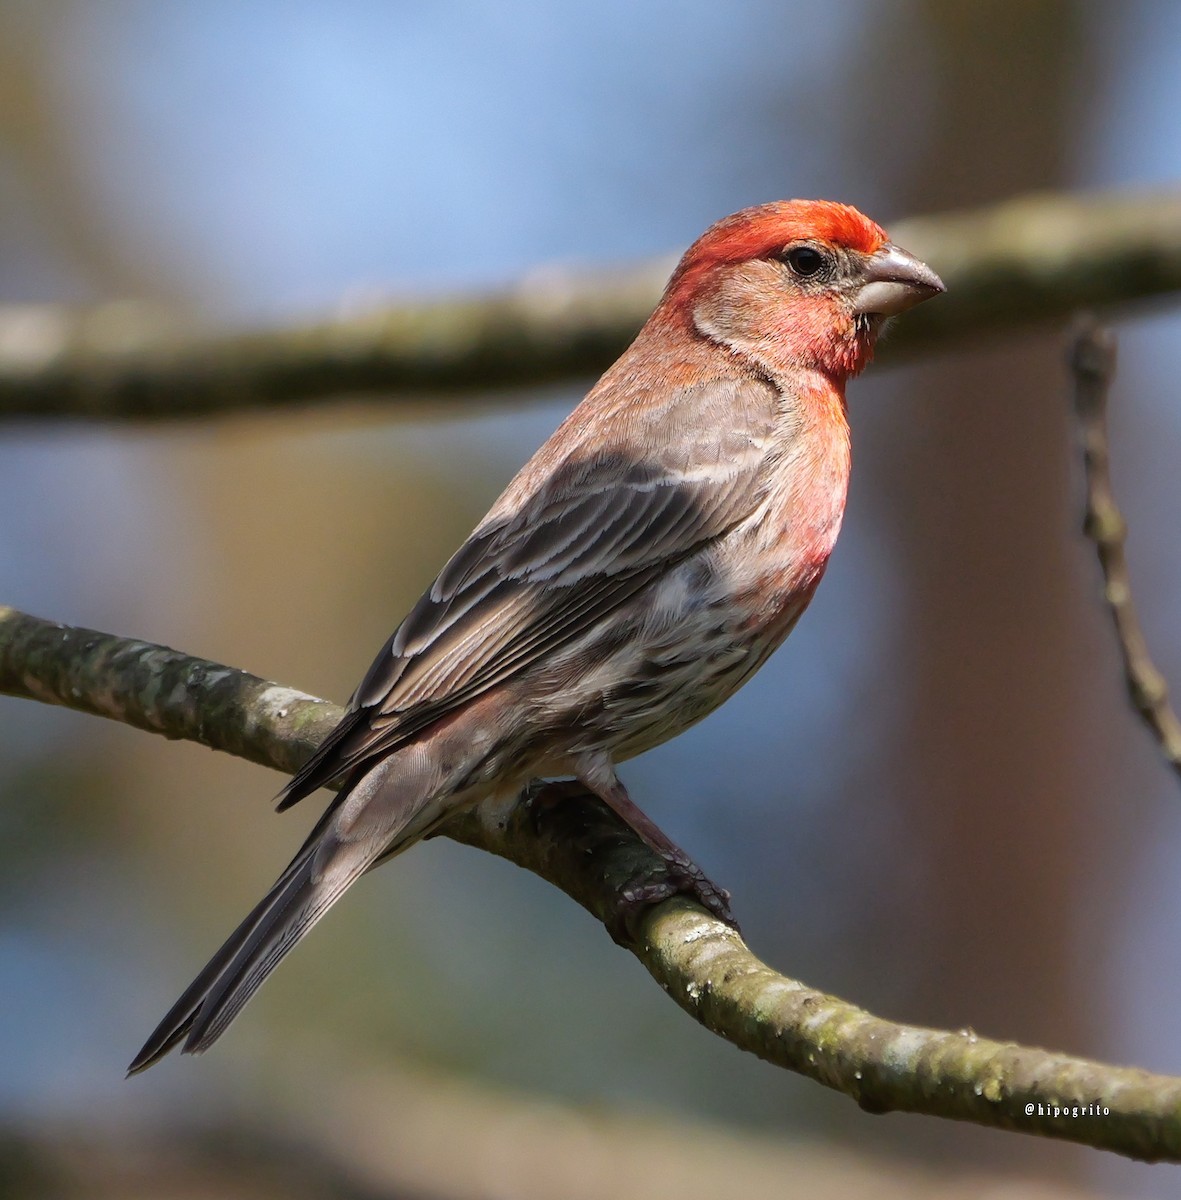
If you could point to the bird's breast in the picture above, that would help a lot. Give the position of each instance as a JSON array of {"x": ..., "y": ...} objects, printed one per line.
[{"x": 773, "y": 563}]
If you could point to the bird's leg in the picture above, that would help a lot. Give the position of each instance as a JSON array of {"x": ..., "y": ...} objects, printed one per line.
[
  {"x": 551, "y": 813},
  {"x": 682, "y": 875}
]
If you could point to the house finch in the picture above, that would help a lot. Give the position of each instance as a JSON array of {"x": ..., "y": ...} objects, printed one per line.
[{"x": 642, "y": 565}]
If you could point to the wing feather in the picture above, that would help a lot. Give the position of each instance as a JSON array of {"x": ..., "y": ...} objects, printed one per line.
[{"x": 598, "y": 529}]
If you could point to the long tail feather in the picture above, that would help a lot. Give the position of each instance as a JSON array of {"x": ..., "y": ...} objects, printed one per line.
[
  {"x": 299, "y": 898},
  {"x": 301, "y": 902},
  {"x": 367, "y": 822}
]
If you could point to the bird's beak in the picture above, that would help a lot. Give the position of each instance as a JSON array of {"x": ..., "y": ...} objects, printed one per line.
[{"x": 894, "y": 281}]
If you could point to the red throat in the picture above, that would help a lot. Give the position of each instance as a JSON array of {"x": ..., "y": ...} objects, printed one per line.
[{"x": 812, "y": 338}]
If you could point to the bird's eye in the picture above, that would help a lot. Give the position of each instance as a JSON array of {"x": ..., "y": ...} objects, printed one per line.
[{"x": 805, "y": 260}]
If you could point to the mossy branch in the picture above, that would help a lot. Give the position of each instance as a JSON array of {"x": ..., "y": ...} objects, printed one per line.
[
  {"x": 581, "y": 848},
  {"x": 1033, "y": 259}
]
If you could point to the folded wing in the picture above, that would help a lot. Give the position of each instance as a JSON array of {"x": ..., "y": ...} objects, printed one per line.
[{"x": 597, "y": 531}]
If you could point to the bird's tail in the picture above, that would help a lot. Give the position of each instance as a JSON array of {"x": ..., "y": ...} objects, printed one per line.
[{"x": 340, "y": 849}]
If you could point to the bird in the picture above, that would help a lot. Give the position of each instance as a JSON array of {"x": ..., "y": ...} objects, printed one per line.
[{"x": 639, "y": 568}]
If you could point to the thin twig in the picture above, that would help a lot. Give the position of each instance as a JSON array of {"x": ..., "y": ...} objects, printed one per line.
[
  {"x": 582, "y": 848},
  {"x": 1031, "y": 259},
  {"x": 1092, "y": 363}
]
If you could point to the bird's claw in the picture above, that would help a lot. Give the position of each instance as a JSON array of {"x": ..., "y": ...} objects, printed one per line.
[
  {"x": 673, "y": 874},
  {"x": 680, "y": 877}
]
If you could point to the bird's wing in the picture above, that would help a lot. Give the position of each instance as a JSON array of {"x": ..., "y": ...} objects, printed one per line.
[{"x": 599, "y": 528}]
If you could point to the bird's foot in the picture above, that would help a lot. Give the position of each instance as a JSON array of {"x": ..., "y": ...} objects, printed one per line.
[
  {"x": 678, "y": 876},
  {"x": 669, "y": 871}
]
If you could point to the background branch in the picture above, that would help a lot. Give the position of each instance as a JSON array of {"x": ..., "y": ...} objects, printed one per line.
[
  {"x": 1092, "y": 363},
  {"x": 1005, "y": 266},
  {"x": 582, "y": 849}
]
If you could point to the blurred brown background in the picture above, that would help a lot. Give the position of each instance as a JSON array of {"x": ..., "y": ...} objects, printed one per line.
[{"x": 933, "y": 801}]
